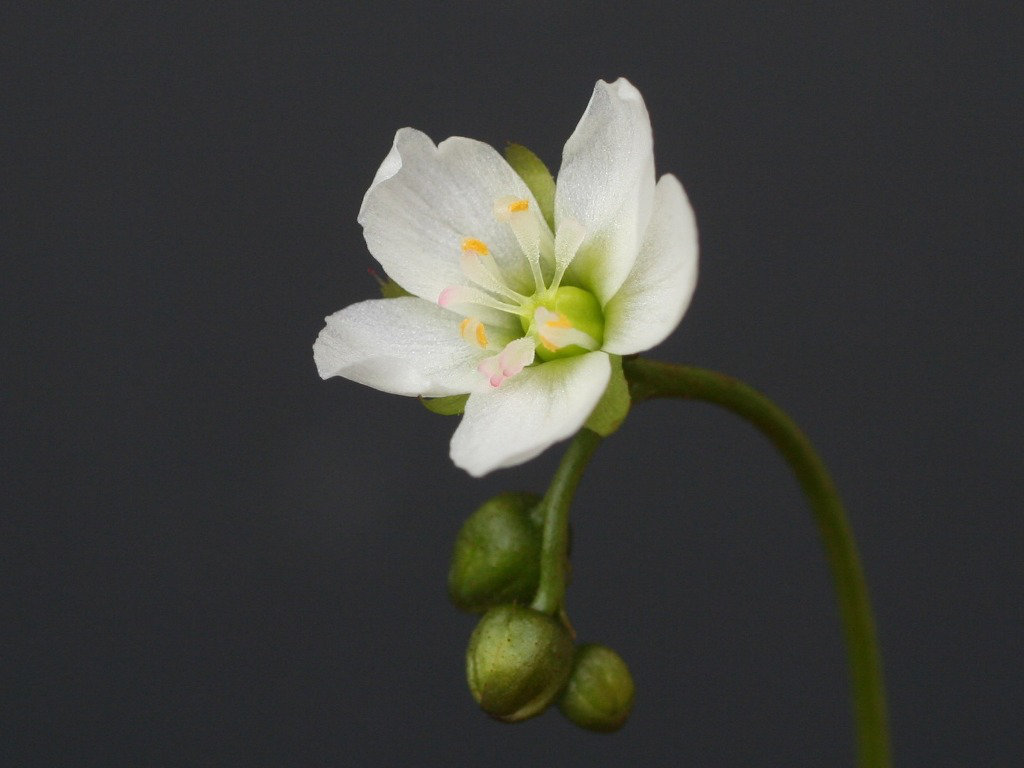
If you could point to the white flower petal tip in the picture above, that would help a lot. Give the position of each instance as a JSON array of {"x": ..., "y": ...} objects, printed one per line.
[
  {"x": 520, "y": 315},
  {"x": 606, "y": 183},
  {"x": 622, "y": 89}
]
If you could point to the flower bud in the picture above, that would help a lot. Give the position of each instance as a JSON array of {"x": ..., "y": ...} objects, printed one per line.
[
  {"x": 497, "y": 554},
  {"x": 517, "y": 662},
  {"x": 599, "y": 694}
]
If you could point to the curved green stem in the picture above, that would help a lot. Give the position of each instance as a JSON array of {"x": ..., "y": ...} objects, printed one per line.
[
  {"x": 555, "y": 511},
  {"x": 650, "y": 379}
]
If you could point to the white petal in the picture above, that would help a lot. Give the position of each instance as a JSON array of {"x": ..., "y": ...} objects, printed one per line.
[
  {"x": 405, "y": 346},
  {"x": 606, "y": 183},
  {"x": 657, "y": 292},
  {"x": 425, "y": 200},
  {"x": 529, "y": 412}
]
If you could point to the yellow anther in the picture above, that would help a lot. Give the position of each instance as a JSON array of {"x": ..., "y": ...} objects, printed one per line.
[
  {"x": 559, "y": 322},
  {"x": 472, "y": 330},
  {"x": 518, "y": 205},
  {"x": 554, "y": 330},
  {"x": 477, "y": 246}
]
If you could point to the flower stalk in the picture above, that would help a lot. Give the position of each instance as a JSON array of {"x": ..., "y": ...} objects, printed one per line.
[
  {"x": 555, "y": 510},
  {"x": 649, "y": 379}
]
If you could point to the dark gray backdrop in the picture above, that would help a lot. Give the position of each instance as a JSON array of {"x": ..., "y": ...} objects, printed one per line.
[{"x": 214, "y": 558}]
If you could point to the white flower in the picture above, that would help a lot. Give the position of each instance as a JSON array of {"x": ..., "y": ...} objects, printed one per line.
[{"x": 521, "y": 317}]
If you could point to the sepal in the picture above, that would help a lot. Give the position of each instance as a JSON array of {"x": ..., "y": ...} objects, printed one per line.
[
  {"x": 389, "y": 289},
  {"x": 451, "y": 405},
  {"x": 613, "y": 407}
]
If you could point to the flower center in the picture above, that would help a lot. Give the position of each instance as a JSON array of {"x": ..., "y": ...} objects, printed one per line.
[
  {"x": 558, "y": 320},
  {"x": 565, "y": 322}
]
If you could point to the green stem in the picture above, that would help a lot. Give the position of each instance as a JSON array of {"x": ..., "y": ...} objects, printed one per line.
[
  {"x": 650, "y": 379},
  {"x": 555, "y": 509}
]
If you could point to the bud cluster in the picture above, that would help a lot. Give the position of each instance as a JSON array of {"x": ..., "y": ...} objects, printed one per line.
[{"x": 520, "y": 661}]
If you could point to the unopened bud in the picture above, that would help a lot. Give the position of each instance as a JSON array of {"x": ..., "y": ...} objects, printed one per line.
[
  {"x": 517, "y": 662},
  {"x": 497, "y": 554},
  {"x": 599, "y": 694}
]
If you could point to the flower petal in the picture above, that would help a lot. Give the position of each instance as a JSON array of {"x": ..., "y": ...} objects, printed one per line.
[
  {"x": 405, "y": 346},
  {"x": 426, "y": 200},
  {"x": 607, "y": 184},
  {"x": 652, "y": 301},
  {"x": 528, "y": 413}
]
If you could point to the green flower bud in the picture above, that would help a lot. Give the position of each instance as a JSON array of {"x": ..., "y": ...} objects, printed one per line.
[
  {"x": 599, "y": 694},
  {"x": 497, "y": 554},
  {"x": 517, "y": 662}
]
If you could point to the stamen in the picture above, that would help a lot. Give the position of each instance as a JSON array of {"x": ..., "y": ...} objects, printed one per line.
[
  {"x": 555, "y": 331},
  {"x": 456, "y": 295},
  {"x": 480, "y": 267},
  {"x": 516, "y": 212},
  {"x": 506, "y": 205},
  {"x": 472, "y": 244},
  {"x": 510, "y": 361},
  {"x": 473, "y": 331}
]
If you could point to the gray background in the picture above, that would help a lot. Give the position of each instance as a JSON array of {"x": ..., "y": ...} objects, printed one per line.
[{"x": 214, "y": 558}]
